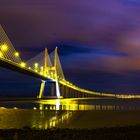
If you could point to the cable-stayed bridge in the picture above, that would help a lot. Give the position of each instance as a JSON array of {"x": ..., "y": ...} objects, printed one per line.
[{"x": 44, "y": 66}]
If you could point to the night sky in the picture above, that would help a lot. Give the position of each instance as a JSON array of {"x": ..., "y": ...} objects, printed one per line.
[{"x": 98, "y": 42}]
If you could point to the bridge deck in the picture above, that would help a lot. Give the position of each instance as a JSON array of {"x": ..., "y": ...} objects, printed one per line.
[
  {"x": 8, "y": 64},
  {"x": 23, "y": 70}
]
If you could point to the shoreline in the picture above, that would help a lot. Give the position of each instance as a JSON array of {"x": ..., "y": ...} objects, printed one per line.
[{"x": 124, "y": 132}]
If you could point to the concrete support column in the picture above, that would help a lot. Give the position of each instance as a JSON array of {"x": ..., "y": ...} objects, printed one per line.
[
  {"x": 73, "y": 93},
  {"x": 42, "y": 86},
  {"x": 77, "y": 94},
  {"x": 64, "y": 92},
  {"x": 84, "y": 95},
  {"x": 57, "y": 89},
  {"x": 67, "y": 92},
  {"x": 60, "y": 89},
  {"x": 52, "y": 89},
  {"x": 70, "y": 92}
]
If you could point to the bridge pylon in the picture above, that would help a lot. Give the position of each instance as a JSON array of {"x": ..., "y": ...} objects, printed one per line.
[
  {"x": 42, "y": 87},
  {"x": 52, "y": 72},
  {"x": 45, "y": 72},
  {"x": 45, "y": 61},
  {"x": 56, "y": 74}
]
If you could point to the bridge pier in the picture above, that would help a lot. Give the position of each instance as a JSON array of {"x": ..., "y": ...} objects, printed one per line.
[
  {"x": 79, "y": 94},
  {"x": 63, "y": 91},
  {"x": 73, "y": 92},
  {"x": 67, "y": 92},
  {"x": 57, "y": 89},
  {"x": 75, "y": 96},
  {"x": 60, "y": 89},
  {"x": 76, "y": 92},
  {"x": 83, "y": 95},
  {"x": 42, "y": 86},
  {"x": 52, "y": 89},
  {"x": 70, "y": 93}
]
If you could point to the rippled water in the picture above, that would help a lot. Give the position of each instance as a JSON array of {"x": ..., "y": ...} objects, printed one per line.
[{"x": 69, "y": 113}]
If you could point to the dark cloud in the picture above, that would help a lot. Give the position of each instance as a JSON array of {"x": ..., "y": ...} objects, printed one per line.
[{"x": 67, "y": 48}]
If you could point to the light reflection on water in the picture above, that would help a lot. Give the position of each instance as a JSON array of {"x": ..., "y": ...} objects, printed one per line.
[
  {"x": 54, "y": 120},
  {"x": 89, "y": 104},
  {"x": 74, "y": 104},
  {"x": 20, "y": 118},
  {"x": 44, "y": 114}
]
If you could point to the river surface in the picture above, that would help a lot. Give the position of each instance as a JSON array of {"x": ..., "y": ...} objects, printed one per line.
[{"x": 69, "y": 113}]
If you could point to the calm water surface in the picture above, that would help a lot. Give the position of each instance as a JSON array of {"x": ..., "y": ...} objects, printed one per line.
[{"x": 69, "y": 113}]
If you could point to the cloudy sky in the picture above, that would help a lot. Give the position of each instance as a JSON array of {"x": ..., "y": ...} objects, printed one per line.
[{"x": 98, "y": 41}]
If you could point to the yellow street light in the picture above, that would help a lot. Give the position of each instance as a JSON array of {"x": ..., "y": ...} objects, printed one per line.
[
  {"x": 1, "y": 55},
  {"x": 41, "y": 68},
  {"x": 36, "y": 65},
  {"x": 16, "y": 54},
  {"x": 4, "y": 47},
  {"x": 23, "y": 64}
]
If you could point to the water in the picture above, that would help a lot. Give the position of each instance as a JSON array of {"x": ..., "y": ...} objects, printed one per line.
[{"x": 69, "y": 113}]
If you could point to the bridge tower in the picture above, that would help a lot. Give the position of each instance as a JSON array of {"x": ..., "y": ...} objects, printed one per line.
[
  {"x": 50, "y": 71},
  {"x": 56, "y": 73},
  {"x": 45, "y": 72}
]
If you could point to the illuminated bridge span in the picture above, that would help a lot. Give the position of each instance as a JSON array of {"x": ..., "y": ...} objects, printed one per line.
[{"x": 44, "y": 66}]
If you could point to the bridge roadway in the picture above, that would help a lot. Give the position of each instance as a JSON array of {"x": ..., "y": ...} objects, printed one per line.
[
  {"x": 8, "y": 64},
  {"x": 67, "y": 88}
]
